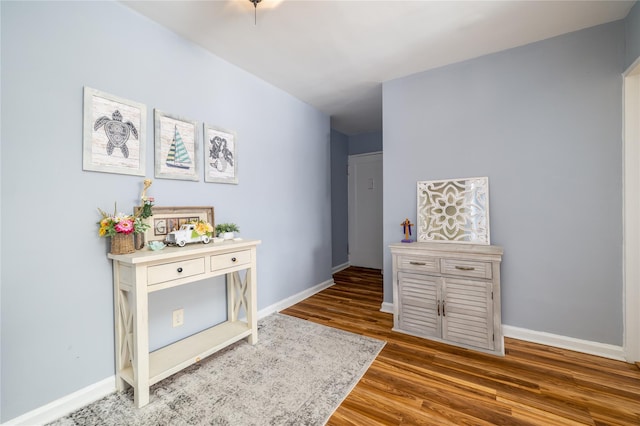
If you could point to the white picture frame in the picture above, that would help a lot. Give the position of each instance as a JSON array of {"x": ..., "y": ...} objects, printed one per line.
[
  {"x": 220, "y": 155},
  {"x": 167, "y": 219},
  {"x": 454, "y": 211},
  {"x": 114, "y": 134},
  {"x": 177, "y": 147}
]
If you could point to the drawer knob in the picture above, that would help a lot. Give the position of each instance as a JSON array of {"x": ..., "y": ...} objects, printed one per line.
[
  {"x": 417, "y": 263},
  {"x": 465, "y": 268},
  {"x": 180, "y": 269},
  {"x": 233, "y": 259}
]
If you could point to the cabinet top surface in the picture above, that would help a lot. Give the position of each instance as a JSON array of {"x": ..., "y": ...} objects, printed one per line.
[
  {"x": 446, "y": 248},
  {"x": 147, "y": 255}
]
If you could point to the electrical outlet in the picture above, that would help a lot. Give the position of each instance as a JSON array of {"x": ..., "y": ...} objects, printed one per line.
[{"x": 178, "y": 317}]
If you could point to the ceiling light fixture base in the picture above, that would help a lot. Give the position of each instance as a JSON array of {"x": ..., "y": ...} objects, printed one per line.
[{"x": 255, "y": 10}]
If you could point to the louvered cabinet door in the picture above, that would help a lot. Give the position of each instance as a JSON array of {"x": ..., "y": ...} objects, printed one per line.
[
  {"x": 467, "y": 312},
  {"x": 418, "y": 309}
]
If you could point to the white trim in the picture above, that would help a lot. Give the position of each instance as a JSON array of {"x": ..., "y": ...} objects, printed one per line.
[
  {"x": 292, "y": 300},
  {"x": 387, "y": 307},
  {"x": 340, "y": 267},
  {"x": 76, "y": 400},
  {"x": 631, "y": 211},
  {"x": 593, "y": 348},
  {"x": 366, "y": 154},
  {"x": 67, "y": 404}
]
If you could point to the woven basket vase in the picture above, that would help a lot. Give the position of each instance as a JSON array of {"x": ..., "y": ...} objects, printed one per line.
[{"x": 122, "y": 244}]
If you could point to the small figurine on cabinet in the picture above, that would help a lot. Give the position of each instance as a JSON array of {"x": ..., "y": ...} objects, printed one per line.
[{"x": 407, "y": 230}]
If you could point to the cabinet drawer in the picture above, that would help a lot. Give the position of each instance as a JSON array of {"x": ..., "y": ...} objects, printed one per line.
[
  {"x": 228, "y": 260},
  {"x": 466, "y": 268},
  {"x": 174, "y": 270},
  {"x": 419, "y": 263}
]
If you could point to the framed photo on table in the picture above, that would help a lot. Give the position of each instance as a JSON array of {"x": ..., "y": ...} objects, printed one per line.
[
  {"x": 114, "y": 134},
  {"x": 221, "y": 155},
  {"x": 177, "y": 147},
  {"x": 167, "y": 219}
]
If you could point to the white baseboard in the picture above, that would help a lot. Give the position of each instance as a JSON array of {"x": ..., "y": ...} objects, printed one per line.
[
  {"x": 292, "y": 300},
  {"x": 340, "y": 267},
  {"x": 585, "y": 346},
  {"x": 65, "y": 405},
  {"x": 387, "y": 307},
  {"x": 76, "y": 400}
]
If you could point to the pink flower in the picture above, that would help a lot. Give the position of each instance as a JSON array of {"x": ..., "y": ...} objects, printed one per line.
[{"x": 125, "y": 226}]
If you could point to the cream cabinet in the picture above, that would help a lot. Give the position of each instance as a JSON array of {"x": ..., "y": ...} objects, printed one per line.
[{"x": 449, "y": 292}]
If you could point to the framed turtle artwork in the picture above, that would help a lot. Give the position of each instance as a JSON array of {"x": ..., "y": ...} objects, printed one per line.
[
  {"x": 114, "y": 134},
  {"x": 221, "y": 155},
  {"x": 177, "y": 147}
]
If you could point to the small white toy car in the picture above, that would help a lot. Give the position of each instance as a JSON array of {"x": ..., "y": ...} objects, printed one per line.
[{"x": 186, "y": 234}]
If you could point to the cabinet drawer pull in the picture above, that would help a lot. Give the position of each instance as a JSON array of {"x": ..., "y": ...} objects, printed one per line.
[
  {"x": 443, "y": 309},
  {"x": 233, "y": 259},
  {"x": 417, "y": 263},
  {"x": 180, "y": 269},
  {"x": 438, "y": 308},
  {"x": 465, "y": 268}
]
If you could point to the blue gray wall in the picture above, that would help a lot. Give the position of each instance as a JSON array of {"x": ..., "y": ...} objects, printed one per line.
[
  {"x": 56, "y": 282},
  {"x": 632, "y": 35},
  {"x": 543, "y": 122},
  {"x": 342, "y": 146},
  {"x": 339, "y": 199},
  {"x": 365, "y": 142}
]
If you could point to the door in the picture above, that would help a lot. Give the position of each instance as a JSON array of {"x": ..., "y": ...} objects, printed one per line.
[
  {"x": 365, "y": 210},
  {"x": 467, "y": 312},
  {"x": 631, "y": 343},
  {"x": 419, "y": 307}
]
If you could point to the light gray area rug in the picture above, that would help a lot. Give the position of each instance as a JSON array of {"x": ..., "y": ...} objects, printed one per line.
[{"x": 297, "y": 374}]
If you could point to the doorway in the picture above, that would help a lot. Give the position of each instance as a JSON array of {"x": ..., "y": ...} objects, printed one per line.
[
  {"x": 631, "y": 201},
  {"x": 365, "y": 210}
]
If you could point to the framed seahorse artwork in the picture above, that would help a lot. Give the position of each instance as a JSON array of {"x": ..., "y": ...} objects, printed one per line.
[
  {"x": 114, "y": 134},
  {"x": 221, "y": 155}
]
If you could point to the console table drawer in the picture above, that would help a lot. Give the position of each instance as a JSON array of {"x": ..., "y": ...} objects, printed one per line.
[
  {"x": 174, "y": 270},
  {"x": 466, "y": 268},
  {"x": 228, "y": 260},
  {"x": 419, "y": 263}
]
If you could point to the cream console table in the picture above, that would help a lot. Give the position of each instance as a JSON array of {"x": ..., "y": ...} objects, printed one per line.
[
  {"x": 449, "y": 292},
  {"x": 138, "y": 274}
]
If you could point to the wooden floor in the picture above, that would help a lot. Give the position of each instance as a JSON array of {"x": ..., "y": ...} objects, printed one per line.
[{"x": 415, "y": 381}]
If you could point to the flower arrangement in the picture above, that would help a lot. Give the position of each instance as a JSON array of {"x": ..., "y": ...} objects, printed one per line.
[
  {"x": 201, "y": 228},
  {"x": 119, "y": 223}
]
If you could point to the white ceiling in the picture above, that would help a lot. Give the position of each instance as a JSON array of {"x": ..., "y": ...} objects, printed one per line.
[{"x": 334, "y": 54}]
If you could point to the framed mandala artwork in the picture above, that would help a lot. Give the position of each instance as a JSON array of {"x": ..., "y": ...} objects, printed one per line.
[
  {"x": 114, "y": 134},
  {"x": 454, "y": 210}
]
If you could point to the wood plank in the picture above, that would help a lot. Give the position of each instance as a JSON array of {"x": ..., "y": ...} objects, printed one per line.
[{"x": 416, "y": 381}]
